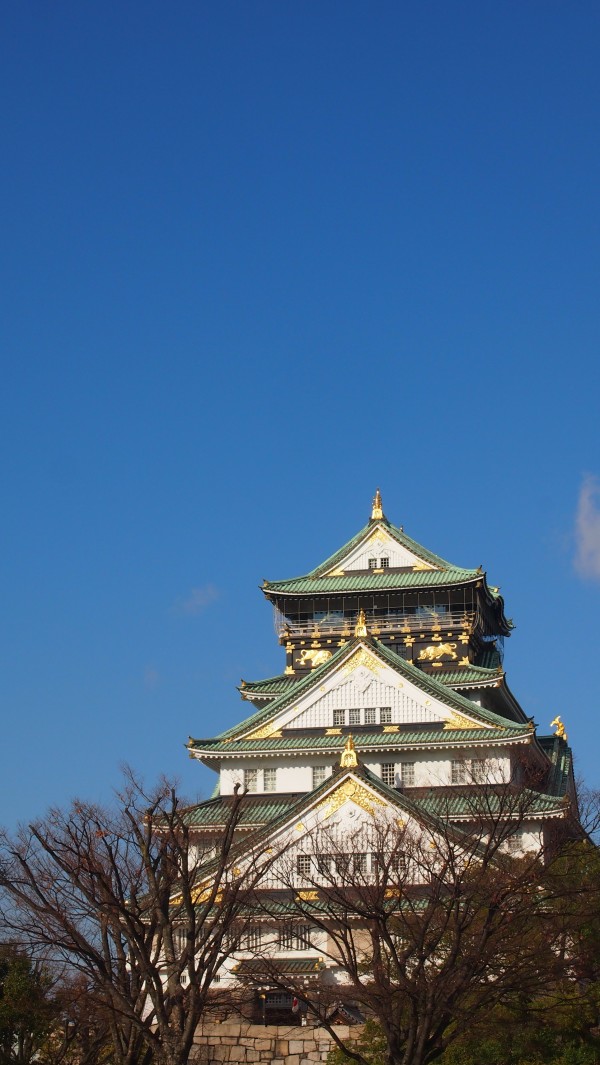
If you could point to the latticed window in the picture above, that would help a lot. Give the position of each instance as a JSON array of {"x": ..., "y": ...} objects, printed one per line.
[
  {"x": 252, "y": 938},
  {"x": 458, "y": 771},
  {"x": 370, "y": 716},
  {"x": 319, "y": 774},
  {"x": 324, "y": 864},
  {"x": 478, "y": 770},
  {"x": 354, "y": 717},
  {"x": 303, "y": 864},
  {"x": 384, "y": 563},
  {"x": 359, "y": 863},
  {"x": 270, "y": 779},
  {"x": 286, "y": 937},
  {"x": 388, "y": 773},
  {"x": 385, "y": 715},
  {"x": 251, "y": 779},
  {"x": 339, "y": 717},
  {"x": 515, "y": 842},
  {"x": 372, "y": 563},
  {"x": 408, "y": 773}
]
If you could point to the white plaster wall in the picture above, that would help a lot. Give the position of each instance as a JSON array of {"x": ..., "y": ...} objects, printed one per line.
[{"x": 378, "y": 546}]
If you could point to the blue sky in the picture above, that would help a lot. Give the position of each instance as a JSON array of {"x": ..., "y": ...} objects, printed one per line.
[{"x": 258, "y": 259}]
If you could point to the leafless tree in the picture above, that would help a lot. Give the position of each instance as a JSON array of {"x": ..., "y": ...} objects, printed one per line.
[
  {"x": 422, "y": 923},
  {"x": 128, "y": 898}
]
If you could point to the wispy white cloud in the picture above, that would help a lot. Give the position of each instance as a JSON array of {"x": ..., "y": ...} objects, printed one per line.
[
  {"x": 587, "y": 529},
  {"x": 197, "y": 601}
]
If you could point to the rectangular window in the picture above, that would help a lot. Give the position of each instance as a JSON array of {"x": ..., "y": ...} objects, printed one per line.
[
  {"x": 252, "y": 938},
  {"x": 408, "y": 774},
  {"x": 478, "y": 770},
  {"x": 372, "y": 563},
  {"x": 339, "y": 717},
  {"x": 370, "y": 716},
  {"x": 303, "y": 864},
  {"x": 270, "y": 779},
  {"x": 251, "y": 779},
  {"x": 324, "y": 864},
  {"x": 385, "y": 715},
  {"x": 342, "y": 863},
  {"x": 388, "y": 773},
  {"x": 286, "y": 937},
  {"x": 384, "y": 563},
  {"x": 458, "y": 771},
  {"x": 359, "y": 863},
  {"x": 319, "y": 774},
  {"x": 354, "y": 717},
  {"x": 515, "y": 842}
]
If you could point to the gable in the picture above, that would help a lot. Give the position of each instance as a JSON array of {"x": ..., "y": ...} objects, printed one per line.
[
  {"x": 377, "y": 546},
  {"x": 364, "y": 690}
]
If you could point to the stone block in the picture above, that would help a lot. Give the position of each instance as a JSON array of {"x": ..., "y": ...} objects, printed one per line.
[
  {"x": 263, "y": 1044},
  {"x": 237, "y": 1053},
  {"x": 294, "y": 1059},
  {"x": 282, "y": 1048},
  {"x": 296, "y": 1046}
]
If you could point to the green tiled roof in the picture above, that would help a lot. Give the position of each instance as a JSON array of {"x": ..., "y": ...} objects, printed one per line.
[
  {"x": 456, "y": 678},
  {"x": 442, "y": 803},
  {"x": 256, "y": 810},
  {"x": 283, "y": 966},
  {"x": 365, "y": 741},
  {"x": 372, "y": 581},
  {"x": 268, "y": 686},
  {"x": 422, "y": 680}
]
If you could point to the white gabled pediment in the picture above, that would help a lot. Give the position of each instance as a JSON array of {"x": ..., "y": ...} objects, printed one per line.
[
  {"x": 364, "y": 690},
  {"x": 378, "y": 545}
]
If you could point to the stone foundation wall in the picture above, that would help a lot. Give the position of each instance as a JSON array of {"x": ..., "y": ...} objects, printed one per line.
[{"x": 240, "y": 1043}]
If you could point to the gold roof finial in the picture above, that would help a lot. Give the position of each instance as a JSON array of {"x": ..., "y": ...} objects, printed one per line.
[
  {"x": 377, "y": 511},
  {"x": 348, "y": 759},
  {"x": 360, "y": 629},
  {"x": 560, "y": 728}
]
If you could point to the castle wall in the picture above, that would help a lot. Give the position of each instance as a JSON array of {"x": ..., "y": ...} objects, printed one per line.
[{"x": 240, "y": 1043}]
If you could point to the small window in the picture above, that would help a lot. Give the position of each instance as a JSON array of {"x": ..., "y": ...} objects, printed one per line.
[
  {"x": 319, "y": 774},
  {"x": 354, "y": 717},
  {"x": 458, "y": 771},
  {"x": 286, "y": 937},
  {"x": 342, "y": 863},
  {"x": 251, "y": 779},
  {"x": 385, "y": 715},
  {"x": 324, "y": 864},
  {"x": 408, "y": 774},
  {"x": 252, "y": 938},
  {"x": 515, "y": 842},
  {"x": 384, "y": 563},
  {"x": 303, "y": 864},
  {"x": 372, "y": 563},
  {"x": 388, "y": 773},
  {"x": 359, "y": 863},
  {"x": 478, "y": 770},
  {"x": 370, "y": 716},
  {"x": 270, "y": 779},
  {"x": 339, "y": 717}
]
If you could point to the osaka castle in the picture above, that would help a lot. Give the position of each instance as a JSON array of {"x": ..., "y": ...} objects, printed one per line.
[{"x": 392, "y": 707}]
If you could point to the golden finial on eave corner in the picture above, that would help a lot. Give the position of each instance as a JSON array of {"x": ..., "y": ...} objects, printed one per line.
[
  {"x": 377, "y": 511},
  {"x": 360, "y": 629},
  {"x": 348, "y": 757},
  {"x": 560, "y": 728}
]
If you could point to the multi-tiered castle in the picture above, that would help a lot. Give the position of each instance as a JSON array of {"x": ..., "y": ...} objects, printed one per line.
[{"x": 393, "y": 697}]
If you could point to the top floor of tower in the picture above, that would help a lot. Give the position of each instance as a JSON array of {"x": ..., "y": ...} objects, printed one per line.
[{"x": 431, "y": 612}]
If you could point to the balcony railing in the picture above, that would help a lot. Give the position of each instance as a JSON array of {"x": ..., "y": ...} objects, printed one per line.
[{"x": 429, "y": 621}]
